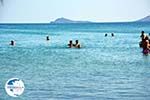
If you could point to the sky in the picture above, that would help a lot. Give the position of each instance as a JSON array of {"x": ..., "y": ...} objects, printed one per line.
[{"x": 44, "y": 11}]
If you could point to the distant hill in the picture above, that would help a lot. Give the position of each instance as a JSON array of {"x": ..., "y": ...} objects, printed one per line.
[
  {"x": 65, "y": 20},
  {"x": 145, "y": 19}
]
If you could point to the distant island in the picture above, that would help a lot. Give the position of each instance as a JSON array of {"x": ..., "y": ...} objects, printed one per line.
[
  {"x": 65, "y": 20},
  {"x": 69, "y": 21}
]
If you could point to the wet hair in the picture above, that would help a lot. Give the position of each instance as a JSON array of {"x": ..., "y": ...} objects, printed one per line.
[
  {"x": 70, "y": 41},
  {"x": 142, "y": 32},
  {"x": 112, "y": 34},
  {"x": 12, "y": 42},
  {"x": 47, "y": 38},
  {"x": 77, "y": 41}
]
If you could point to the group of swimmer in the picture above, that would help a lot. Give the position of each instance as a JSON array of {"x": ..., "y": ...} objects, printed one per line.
[
  {"x": 112, "y": 34},
  {"x": 70, "y": 45},
  {"x": 145, "y": 42},
  {"x": 12, "y": 42},
  {"x": 76, "y": 45}
]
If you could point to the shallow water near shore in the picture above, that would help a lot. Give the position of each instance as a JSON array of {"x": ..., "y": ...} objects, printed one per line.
[{"x": 105, "y": 68}]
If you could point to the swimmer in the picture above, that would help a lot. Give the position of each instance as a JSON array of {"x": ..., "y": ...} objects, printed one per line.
[
  {"x": 105, "y": 35},
  {"x": 12, "y": 42},
  {"x": 47, "y": 38},
  {"x": 112, "y": 34},
  {"x": 77, "y": 44},
  {"x": 142, "y": 35},
  {"x": 70, "y": 44},
  {"x": 146, "y": 46}
]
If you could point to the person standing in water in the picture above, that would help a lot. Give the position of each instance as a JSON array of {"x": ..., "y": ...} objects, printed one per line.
[
  {"x": 105, "y": 35},
  {"x": 77, "y": 44},
  {"x": 70, "y": 44},
  {"x": 146, "y": 45},
  {"x": 142, "y": 35}
]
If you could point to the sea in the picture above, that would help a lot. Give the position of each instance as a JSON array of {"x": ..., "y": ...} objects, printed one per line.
[{"x": 104, "y": 68}]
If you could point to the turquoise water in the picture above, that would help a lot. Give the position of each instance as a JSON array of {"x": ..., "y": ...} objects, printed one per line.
[{"x": 105, "y": 68}]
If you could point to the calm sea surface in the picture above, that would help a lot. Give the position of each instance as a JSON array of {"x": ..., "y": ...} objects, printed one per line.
[{"x": 105, "y": 68}]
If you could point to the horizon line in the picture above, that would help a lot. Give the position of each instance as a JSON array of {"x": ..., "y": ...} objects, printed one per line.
[
  {"x": 50, "y": 22},
  {"x": 66, "y": 23},
  {"x": 71, "y": 23}
]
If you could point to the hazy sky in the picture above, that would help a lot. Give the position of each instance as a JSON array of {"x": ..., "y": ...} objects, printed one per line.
[{"x": 42, "y": 11}]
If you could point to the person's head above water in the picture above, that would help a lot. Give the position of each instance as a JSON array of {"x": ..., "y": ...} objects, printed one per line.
[
  {"x": 70, "y": 42},
  {"x": 77, "y": 41},
  {"x": 12, "y": 42},
  {"x": 47, "y": 38},
  {"x": 112, "y": 34},
  {"x": 142, "y": 32}
]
